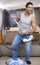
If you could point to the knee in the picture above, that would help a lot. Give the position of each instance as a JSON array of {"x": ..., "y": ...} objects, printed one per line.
[
  {"x": 13, "y": 46},
  {"x": 28, "y": 50}
]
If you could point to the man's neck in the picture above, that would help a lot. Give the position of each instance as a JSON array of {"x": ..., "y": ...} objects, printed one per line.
[{"x": 27, "y": 13}]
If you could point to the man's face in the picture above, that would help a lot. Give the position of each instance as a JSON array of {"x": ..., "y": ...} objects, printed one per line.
[{"x": 30, "y": 8}]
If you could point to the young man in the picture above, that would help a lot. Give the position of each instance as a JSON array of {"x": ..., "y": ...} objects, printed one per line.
[{"x": 26, "y": 20}]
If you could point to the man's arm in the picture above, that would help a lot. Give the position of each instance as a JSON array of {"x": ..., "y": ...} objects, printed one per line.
[{"x": 34, "y": 25}]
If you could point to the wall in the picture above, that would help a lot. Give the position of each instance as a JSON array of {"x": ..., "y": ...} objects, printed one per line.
[
  {"x": 0, "y": 18},
  {"x": 37, "y": 12},
  {"x": 0, "y": 25}
]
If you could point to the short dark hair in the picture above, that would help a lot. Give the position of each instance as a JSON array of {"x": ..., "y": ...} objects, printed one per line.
[{"x": 29, "y": 3}]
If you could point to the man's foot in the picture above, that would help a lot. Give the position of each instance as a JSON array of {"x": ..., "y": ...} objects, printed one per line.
[{"x": 28, "y": 62}]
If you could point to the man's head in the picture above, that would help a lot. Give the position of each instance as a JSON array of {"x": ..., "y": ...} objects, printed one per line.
[{"x": 29, "y": 7}]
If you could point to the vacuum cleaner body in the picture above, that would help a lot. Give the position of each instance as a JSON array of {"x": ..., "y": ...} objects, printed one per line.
[{"x": 11, "y": 61}]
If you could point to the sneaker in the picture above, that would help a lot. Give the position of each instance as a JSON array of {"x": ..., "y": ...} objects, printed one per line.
[{"x": 28, "y": 62}]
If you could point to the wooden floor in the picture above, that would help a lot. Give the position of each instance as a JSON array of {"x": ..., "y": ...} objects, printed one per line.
[{"x": 34, "y": 60}]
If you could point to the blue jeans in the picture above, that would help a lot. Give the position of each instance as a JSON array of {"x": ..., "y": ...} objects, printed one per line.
[{"x": 17, "y": 40}]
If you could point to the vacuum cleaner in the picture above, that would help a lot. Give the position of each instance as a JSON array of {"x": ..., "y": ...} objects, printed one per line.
[{"x": 11, "y": 61}]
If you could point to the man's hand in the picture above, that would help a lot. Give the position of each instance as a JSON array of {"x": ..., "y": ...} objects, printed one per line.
[
  {"x": 24, "y": 32},
  {"x": 11, "y": 17},
  {"x": 16, "y": 18}
]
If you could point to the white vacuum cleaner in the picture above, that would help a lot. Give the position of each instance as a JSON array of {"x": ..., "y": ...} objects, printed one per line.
[{"x": 10, "y": 61}]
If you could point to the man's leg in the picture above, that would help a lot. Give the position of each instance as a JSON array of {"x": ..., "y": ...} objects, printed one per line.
[
  {"x": 28, "y": 47},
  {"x": 15, "y": 44}
]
